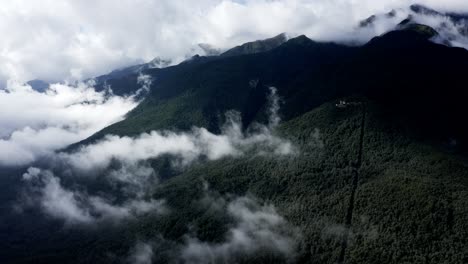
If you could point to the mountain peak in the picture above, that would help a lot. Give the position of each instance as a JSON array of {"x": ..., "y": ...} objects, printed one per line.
[
  {"x": 423, "y": 30},
  {"x": 39, "y": 85},
  {"x": 257, "y": 46},
  {"x": 158, "y": 63},
  {"x": 209, "y": 50},
  {"x": 300, "y": 40}
]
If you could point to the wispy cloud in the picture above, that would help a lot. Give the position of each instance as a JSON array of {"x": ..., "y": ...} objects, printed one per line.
[
  {"x": 257, "y": 228},
  {"x": 121, "y": 165},
  {"x": 185, "y": 146},
  {"x": 75, "y": 206}
]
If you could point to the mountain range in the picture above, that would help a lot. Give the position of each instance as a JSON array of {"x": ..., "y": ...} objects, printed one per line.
[{"x": 381, "y": 170}]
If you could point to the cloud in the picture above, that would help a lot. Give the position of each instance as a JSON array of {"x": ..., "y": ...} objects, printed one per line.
[
  {"x": 34, "y": 124},
  {"x": 145, "y": 81},
  {"x": 123, "y": 173},
  {"x": 449, "y": 30},
  {"x": 78, "y": 207},
  {"x": 258, "y": 228},
  {"x": 256, "y": 231},
  {"x": 186, "y": 146},
  {"x": 142, "y": 253},
  {"x": 78, "y": 39},
  {"x": 55, "y": 200}
]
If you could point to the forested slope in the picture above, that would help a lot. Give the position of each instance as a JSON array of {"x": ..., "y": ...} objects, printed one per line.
[
  {"x": 405, "y": 201},
  {"x": 380, "y": 178}
]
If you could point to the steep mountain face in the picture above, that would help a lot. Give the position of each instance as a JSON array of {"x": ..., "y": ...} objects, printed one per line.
[
  {"x": 124, "y": 81},
  {"x": 403, "y": 70},
  {"x": 379, "y": 177},
  {"x": 200, "y": 92}
]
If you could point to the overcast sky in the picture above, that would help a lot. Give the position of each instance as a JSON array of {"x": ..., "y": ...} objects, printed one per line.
[{"x": 73, "y": 39}]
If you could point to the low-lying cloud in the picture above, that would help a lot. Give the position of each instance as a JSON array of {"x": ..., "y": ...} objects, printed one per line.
[
  {"x": 142, "y": 253},
  {"x": 257, "y": 228},
  {"x": 185, "y": 147},
  {"x": 34, "y": 124},
  {"x": 120, "y": 165},
  {"x": 78, "y": 207}
]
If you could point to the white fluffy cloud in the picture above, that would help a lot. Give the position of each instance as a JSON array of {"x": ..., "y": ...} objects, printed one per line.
[
  {"x": 133, "y": 179},
  {"x": 56, "y": 40},
  {"x": 33, "y": 124},
  {"x": 187, "y": 146},
  {"x": 256, "y": 229},
  {"x": 77, "y": 207}
]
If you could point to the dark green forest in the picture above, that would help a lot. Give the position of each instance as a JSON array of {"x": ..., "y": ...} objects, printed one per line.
[{"x": 403, "y": 202}]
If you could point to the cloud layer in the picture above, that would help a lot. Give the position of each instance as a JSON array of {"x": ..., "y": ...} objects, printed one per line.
[
  {"x": 78, "y": 207},
  {"x": 257, "y": 228},
  {"x": 120, "y": 166},
  {"x": 255, "y": 231},
  {"x": 34, "y": 124},
  {"x": 76, "y": 39}
]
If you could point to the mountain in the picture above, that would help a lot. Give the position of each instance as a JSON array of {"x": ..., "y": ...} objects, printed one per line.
[
  {"x": 257, "y": 46},
  {"x": 199, "y": 93},
  {"x": 308, "y": 73},
  {"x": 380, "y": 177},
  {"x": 39, "y": 85},
  {"x": 125, "y": 81},
  {"x": 424, "y": 10},
  {"x": 458, "y": 19},
  {"x": 371, "y": 20},
  {"x": 452, "y": 27},
  {"x": 380, "y": 173}
]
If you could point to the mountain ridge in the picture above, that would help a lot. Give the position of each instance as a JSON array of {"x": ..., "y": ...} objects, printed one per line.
[{"x": 404, "y": 38}]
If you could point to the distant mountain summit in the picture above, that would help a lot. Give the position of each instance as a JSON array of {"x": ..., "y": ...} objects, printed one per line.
[
  {"x": 257, "y": 46},
  {"x": 371, "y": 20},
  {"x": 209, "y": 50},
  {"x": 39, "y": 85},
  {"x": 449, "y": 28},
  {"x": 156, "y": 63},
  {"x": 460, "y": 20}
]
